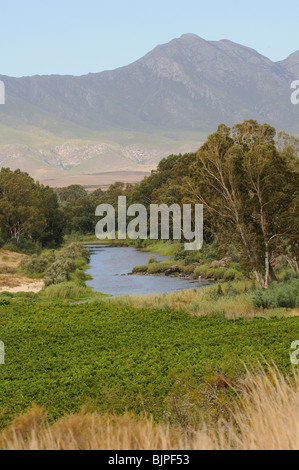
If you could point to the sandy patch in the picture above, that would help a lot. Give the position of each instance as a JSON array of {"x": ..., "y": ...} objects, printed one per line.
[{"x": 14, "y": 284}]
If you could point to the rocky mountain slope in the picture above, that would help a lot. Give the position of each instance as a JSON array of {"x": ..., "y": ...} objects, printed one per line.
[{"x": 133, "y": 116}]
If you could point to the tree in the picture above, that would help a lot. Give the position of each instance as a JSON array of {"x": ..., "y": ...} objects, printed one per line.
[
  {"x": 73, "y": 192},
  {"x": 52, "y": 234},
  {"x": 21, "y": 211},
  {"x": 246, "y": 187}
]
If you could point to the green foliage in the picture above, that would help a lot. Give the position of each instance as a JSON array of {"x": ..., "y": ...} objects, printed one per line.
[
  {"x": 70, "y": 259},
  {"x": 140, "y": 269},
  {"x": 189, "y": 269},
  {"x": 284, "y": 295},
  {"x": 201, "y": 271},
  {"x": 37, "y": 264},
  {"x": 115, "y": 359},
  {"x": 232, "y": 275},
  {"x": 157, "y": 268},
  {"x": 74, "y": 251},
  {"x": 65, "y": 290},
  {"x": 23, "y": 245},
  {"x": 59, "y": 271},
  {"x": 28, "y": 211}
]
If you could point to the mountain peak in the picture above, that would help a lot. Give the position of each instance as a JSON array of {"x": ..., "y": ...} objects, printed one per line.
[
  {"x": 291, "y": 64},
  {"x": 191, "y": 36}
]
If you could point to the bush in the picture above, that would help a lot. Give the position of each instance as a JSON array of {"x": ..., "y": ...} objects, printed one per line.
[
  {"x": 156, "y": 268},
  {"x": 215, "y": 273},
  {"x": 189, "y": 269},
  {"x": 23, "y": 246},
  {"x": 232, "y": 275},
  {"x": 65, "y": 290},
  {"x": 7, "y": 270},
  {"x": 59, "y": 271},
  {"x": 74, "y": 251},
  {"x": 201, "y": 271},
  {"x": 152, "y": 260},
  {"x": 283, "y": 295},
  {"x": 37, "y": 264}
]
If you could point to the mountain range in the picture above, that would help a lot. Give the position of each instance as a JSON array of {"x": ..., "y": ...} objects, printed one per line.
[{"x": 65, "y": 127}]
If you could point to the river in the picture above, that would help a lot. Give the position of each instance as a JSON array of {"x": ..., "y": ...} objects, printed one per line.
[{"x": 110, "y": 268}]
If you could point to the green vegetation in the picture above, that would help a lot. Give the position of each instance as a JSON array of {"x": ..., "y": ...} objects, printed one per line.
[
  {"x": 29, "y": 213},
  {"x": 115, "y": 359},
  {"x": 285, "y": 295},
  {"x": 247, "y": 181},
  {"x": 171, "y": 355}
]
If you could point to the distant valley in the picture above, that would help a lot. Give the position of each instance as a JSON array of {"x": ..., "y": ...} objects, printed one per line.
[{"x": 65, "y": 128}]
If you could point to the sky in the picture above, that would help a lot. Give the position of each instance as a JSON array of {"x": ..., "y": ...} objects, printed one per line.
[{"x": 80, "y": 36}]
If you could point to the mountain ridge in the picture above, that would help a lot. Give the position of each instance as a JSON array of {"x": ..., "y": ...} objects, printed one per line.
[{"x": 166, "y": 101}]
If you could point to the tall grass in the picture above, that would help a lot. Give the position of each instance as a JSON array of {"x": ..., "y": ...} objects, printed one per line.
[
  {"x": 66, "y": 290},
  {"x": 230, "y": 299},
  {"x": 265, "y": 419}
]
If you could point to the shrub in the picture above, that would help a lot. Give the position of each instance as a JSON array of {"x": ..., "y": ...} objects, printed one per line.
[
  {"x": 65, "y": 290},
  {"x": 152, "y": 260},
  {"x": 232, "y": 275},
  {"x": 37, "y": 264},
  {"x": 189, "y": 269},
  {"x": 192, "y": 258},
  {"x": 215, "y": 273},
  {"x": 24, "y": 245},
  {"x": 156, "y": 268},
  {"x": 74, "y": 251},
  {"x": 59, "y": 271},
  {"x": 283, "y": 295},
  {"x": 201, "y": 271}
]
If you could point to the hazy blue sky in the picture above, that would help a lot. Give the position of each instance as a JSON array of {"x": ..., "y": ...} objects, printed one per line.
[{"x": 81, "y": 36}]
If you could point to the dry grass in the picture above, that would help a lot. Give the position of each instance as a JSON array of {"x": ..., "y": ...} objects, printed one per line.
[
  {"x": 10, "y": 259},
  {"x": 198, "y": 301},
  {"x": 266, "y": 419}
]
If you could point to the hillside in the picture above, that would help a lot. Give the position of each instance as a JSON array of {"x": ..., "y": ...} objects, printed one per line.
[{"x": 128, "y": 119}]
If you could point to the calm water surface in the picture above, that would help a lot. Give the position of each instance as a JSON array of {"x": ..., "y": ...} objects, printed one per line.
[{"x": 109, "y": 268}]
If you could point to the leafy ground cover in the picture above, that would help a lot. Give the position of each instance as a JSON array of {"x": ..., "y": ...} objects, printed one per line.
[{"x": 114, "y": 359}]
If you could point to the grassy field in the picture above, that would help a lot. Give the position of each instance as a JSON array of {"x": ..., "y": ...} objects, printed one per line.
[{"x": 112, "y": 360}]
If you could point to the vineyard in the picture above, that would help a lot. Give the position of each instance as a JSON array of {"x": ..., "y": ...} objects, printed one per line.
[{"x": 113, "y": 359}]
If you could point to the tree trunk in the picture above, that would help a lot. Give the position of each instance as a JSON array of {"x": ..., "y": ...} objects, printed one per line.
[{"x": 272, "y": 273}]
